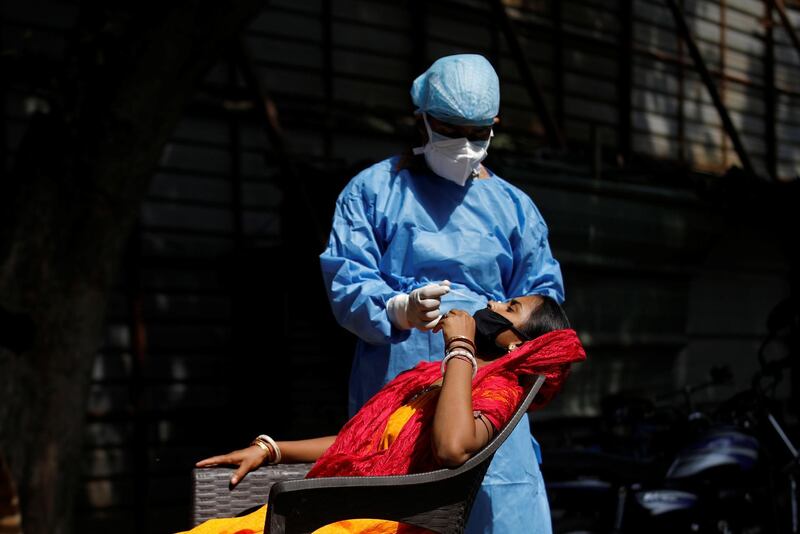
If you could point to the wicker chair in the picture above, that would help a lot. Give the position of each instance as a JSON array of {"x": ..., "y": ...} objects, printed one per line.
[{"x": 439, "y": 501}]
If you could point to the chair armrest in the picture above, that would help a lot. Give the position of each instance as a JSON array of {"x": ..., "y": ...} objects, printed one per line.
[
  {"x": 437, "y": 500},
  {"x": 212, "y": 496}
]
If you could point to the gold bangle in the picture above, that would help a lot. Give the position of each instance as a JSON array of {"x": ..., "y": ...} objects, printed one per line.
[
  {"x": 265, "y": 447},
  {"x": 276, "y": 451}
]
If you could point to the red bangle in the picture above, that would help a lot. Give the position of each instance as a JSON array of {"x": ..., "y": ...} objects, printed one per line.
[{"x": 465, "y": 339}]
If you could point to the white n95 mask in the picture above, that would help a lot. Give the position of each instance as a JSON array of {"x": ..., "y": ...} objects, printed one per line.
[{"x": 453, "y": 159}]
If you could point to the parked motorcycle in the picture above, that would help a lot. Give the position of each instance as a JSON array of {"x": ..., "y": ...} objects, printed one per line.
[{"x": 653, "y": 467}]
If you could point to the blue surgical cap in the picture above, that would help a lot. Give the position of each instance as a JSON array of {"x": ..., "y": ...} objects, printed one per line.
[{"x": 461, "y": 89}]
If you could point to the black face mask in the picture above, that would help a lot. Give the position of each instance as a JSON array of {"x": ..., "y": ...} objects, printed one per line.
[{"x": 489, "y": 325}]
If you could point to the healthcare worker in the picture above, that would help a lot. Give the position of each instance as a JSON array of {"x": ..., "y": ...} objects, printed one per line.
[{"x": 416, "y": 235}]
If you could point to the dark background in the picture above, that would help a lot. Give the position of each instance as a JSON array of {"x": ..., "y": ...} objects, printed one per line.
[{"x": 218, "y": 327}]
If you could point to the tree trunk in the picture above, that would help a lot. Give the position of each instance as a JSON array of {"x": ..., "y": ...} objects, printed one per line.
[{"x": 67, "y": 209}]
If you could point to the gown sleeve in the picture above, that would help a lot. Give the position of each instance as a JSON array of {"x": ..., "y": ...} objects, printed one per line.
[
  {"x": 535, "y": 270},
  {"x": 350, "y": 268}
]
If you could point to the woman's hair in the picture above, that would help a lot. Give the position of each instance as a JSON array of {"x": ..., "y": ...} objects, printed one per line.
[{"x": 548, "y": 316}]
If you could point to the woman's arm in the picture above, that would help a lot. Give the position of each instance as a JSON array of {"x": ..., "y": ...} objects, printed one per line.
[
  {"x": 457, "y": 434},
  {"x": 304, "y": 450},
  {"x": 251, "y": 458}
]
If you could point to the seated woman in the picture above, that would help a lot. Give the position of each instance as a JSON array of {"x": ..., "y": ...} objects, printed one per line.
[{"x": 436, "y": 414}]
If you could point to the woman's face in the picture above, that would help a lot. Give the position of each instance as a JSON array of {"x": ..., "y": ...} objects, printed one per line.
[{"x": 516, "y": 310}]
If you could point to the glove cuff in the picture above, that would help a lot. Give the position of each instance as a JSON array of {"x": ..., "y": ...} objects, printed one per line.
[{"x": 397, "y": 310}]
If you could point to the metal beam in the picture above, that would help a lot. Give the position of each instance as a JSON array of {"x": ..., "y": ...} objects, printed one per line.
[
  {"x": 625, "y": 82},
  {"x": 553, "y": 133},
  {"x": 722, "y": 82},
  {"x": 290, "y": 183},
  {"x": 327, "y": 76},
  {"x": 419, "y": 37},
  {"x": 137, "y": 328},
  {"x": 681, "y": 118},
  {"x": 787, "y": 24},
  {"x": 558, "y": 62},
  {"x": 265, "y": 105},
  {"x": 235, "y": 155},
  {"x": 702, "y": 70},
  {"x": 770, "y": 134}
]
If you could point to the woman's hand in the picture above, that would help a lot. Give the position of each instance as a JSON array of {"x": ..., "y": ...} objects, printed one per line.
[
  {"x": 456, "y": 323},
  {"x": 248, "y": 459}
]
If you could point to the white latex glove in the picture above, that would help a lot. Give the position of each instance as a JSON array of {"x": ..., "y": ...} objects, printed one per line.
[{"x": 418, "y": 309}]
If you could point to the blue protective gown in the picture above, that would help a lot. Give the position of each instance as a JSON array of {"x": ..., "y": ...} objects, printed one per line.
[{"x": 394, "y": 231}]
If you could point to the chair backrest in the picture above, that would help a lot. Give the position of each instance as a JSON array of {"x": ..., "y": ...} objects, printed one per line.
[{"x": 438, "y": 500}]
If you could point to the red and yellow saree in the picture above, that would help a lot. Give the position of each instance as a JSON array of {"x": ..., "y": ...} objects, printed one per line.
[{"x": 391, "y": 434}]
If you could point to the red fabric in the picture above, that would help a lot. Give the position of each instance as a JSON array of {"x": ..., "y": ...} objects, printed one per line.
[{"x": 495, "y": 391}]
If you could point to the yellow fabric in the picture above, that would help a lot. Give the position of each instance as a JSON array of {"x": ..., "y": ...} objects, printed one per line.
[
  {"x": 360, "y": 526},
  {"x": 400, "y": 417},
  {"x": 253, "y": 523},
  {"x": 249, "y": 524}
]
